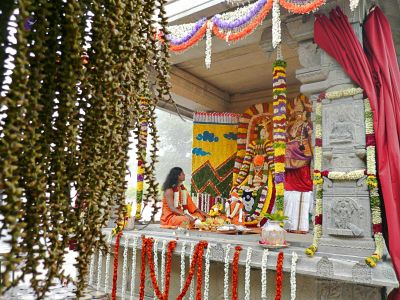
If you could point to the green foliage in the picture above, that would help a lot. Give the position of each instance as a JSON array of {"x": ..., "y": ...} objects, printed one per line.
[{"x": 275, "y": 217}]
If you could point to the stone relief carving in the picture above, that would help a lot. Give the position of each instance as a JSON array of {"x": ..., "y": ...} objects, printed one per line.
[
  {"x": 325, "y": 267},
  {"x": 217, "y": 253},
  {"x": 346, "y": 217},
  {"x": 343, "y": 124},
  {"x": 342, "y": 131},
  {"x": 361, "y": 273}
]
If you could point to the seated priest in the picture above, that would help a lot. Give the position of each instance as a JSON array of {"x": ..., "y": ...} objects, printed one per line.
[{"x": 178, "y": 206}]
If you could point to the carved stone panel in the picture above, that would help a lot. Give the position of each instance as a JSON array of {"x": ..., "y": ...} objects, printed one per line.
[
  {"x": 343, "y": 124},
  {"x": 346, "y": 217},
  {"x": 325, "y": 267},
  {"x": 361, "y": 273}
]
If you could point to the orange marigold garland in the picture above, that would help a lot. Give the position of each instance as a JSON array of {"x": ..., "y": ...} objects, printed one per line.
[
  {"x": 115, "y": 274},
  {"x": 143, "y": 268},
  {"x": 279, "y": 275},
  {"x": 303, "y": 8},
  {"x": 195, "y": 39},
  {"x": 235, "y": 266},
  {"x": 196, "y": 260}
]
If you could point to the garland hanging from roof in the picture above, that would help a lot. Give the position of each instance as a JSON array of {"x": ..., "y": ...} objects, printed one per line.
[{"x": 237, "y": 24}]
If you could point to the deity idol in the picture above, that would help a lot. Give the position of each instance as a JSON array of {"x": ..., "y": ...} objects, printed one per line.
[
  {"x": 252, "y": 182},
  {"x": 298, "y": 183}
]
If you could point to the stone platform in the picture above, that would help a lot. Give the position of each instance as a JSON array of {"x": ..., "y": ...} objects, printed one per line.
[{"x": 319, "y": 277}]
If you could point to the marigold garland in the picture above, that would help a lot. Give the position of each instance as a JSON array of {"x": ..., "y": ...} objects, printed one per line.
[
  {"x": 143, "y": 268},
  {"x": 235, "y": 267},
  {"x": 199, "y": 250},
  {"x": 279, "y": 276},
  {"x": 115, "y": 274},
  {"x": 301, "y": 9},
  {"x": 279, "y": 129},
  {"x": 193, "y": 41}
]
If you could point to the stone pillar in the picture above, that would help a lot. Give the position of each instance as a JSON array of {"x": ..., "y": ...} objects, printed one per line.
[{"x": 346, "y": 205}]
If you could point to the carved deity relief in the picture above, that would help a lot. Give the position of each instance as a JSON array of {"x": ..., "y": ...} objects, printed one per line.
[{"x": 346, "y": 217}]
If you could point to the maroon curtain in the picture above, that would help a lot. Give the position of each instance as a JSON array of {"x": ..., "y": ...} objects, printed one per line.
[{"x": 378, "y": 75}]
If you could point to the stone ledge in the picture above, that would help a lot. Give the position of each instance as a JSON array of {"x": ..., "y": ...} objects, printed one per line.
[{"x": 348, "y": 268}]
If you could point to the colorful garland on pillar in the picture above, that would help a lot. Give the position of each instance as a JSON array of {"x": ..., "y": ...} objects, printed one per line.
[
  {"x": 115, "y": 274},
  {"x": 318, "y": 180},
  {"x": 141, "y": 154},
  {"x": 373, "y": 187},
  {"x": 279, "y": 129},
  {"x": 279, "y": 276},
  {"x": 235, "y": 272}
]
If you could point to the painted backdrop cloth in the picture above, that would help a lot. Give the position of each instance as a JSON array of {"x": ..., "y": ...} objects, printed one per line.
[
  {"x": 378, "y": 74},
  {"x": 214, "y": 152}
]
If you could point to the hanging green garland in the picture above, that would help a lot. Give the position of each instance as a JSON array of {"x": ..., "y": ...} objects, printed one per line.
[{"x": 67, "y": 125}]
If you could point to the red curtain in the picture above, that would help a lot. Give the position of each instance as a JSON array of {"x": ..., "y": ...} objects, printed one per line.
[{"x": 376, "y": 71}]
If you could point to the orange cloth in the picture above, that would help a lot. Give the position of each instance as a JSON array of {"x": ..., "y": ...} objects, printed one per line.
[{"x": 171, "y": 219}]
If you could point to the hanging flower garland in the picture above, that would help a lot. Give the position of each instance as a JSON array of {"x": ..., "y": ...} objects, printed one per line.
[
  {"x": 279, "y": 276},
  {"x": 296, "y": 8},
  {"x": 183, "y": 252},
  {"x": 373, "y": 187},
  {"x": 192, "y": 41},
  {"x": 133, "y": 273},
  {"x": 108, "y": 259},
  {"x": 99, "y": 269},
  {"x": 235, "y": 271},
  {"x": 124, "y": 267},
  {"x": 163, "y": 249},
  {"x": 295, "y": 257},
  {"x": 115, "y": 273},
  {"x": 276, "y": 24},
  {"x": 145, "y": 241},
  {"x": 226, "y": 272},
  {"x": 196, "y": 260},
  {"x": 207, "y": 274},
  {"x": 155, "y": 258},
  {"x": 191, "y": 292},
  {"x": 279, "y": 129},
  {"x": 318, "y": 180},
  {"x": 180, "y": 34},
  {"x": 247, "y": 274},
  {"x": 208, "y": 44},
  {"x": 264, "y": 264},
  {"x": 344, "y": 176}
]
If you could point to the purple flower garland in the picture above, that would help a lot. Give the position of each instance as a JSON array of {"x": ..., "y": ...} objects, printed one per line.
[
  {"x": 239, "y": 22},
  {"x": 196, "y": 27}
]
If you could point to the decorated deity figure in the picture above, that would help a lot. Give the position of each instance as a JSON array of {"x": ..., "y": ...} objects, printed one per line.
[
  {"x": 298, "y": 183},
  {"x": 234, "y": 209},
  {"x": 251, "y": 184}
]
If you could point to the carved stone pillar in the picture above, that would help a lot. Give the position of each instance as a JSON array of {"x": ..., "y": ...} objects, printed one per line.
[{"x": 346, "y": 206}]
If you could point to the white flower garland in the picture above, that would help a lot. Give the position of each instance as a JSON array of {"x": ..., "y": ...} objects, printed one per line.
[
  {"x": 226, "y": 272},
  {"x": 236, "y": 14},
  {"x": 191, "y": 293},
  {"x": 125, "y": 267},
  {"x": 276, "y": 24},
  {"x": 264, "y": 264},
  {"x": 108, "y": 258},
  {"x": 134, "y": 247},
  {"x": 207, "y": 273},
  {"x": 343, "y": 93},
  {"x": 352, "y": 175},
  {"x": 91, "y": 269},
  {"x": 293, "y": 276},
  {"x": 99, "y": 269},
  {"x": 180, "y": 31},
  {"x": 183, "y": 271},
  {"x": 155, "y": 257},
  {"x": 207, "y": 60},
  {"x": 163, "y": 250},
  {"x": 354, "y": 4},
  {"x": 247, "y": 275}
]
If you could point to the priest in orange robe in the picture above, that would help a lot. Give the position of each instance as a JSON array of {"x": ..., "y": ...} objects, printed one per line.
[{"x": 178, "y": 207}]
